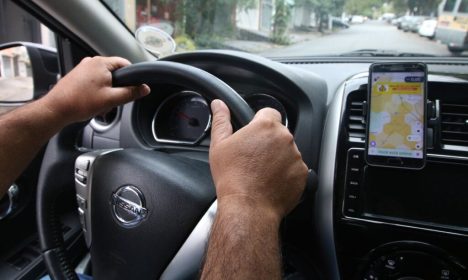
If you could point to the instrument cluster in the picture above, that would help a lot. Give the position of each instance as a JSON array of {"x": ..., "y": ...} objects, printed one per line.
[{"x": 185, "y": 117}]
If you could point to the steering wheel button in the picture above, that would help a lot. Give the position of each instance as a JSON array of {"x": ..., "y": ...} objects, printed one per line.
[
  {"x": 81, "y": 202},
  {"x": 80, "y": 172},
  {"x": 81, "y": 178},
  {"x": 82, "y": 215},
  {"x": 82, "y": 164}
]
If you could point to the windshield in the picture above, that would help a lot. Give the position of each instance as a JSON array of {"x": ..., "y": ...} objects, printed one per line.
[{"x": 285, "y": 28}]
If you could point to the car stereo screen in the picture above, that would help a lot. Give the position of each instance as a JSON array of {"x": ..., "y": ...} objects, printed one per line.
[{"x": 396, "y": 124}]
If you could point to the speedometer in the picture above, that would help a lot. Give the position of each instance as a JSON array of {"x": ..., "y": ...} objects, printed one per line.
[
  {"x": 183, "y": 118},
  {"x": 260, "y": 100}
]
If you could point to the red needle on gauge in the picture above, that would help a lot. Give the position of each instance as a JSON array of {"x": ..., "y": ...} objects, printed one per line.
[
  {"x": 191, "y": 121},
  {"x": 182, "y": 115}
]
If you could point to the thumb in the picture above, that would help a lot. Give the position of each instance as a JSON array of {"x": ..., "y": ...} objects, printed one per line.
[{"x": 221, "y": 126}]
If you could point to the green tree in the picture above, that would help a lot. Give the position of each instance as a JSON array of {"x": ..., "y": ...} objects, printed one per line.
[
  {"x": 280, "y": 22},
  {"x": 204, "y": 20},
  {"x": 417, "y": 7},
  {"x": 400, "y": 6},
  {"x": 323, "y": 9},
  {"x": 423, "y": 7},
  {"x": 362, "y": 7}
]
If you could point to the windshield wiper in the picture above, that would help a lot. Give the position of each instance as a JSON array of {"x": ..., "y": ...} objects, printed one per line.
[{"x": 383, "y": 53}]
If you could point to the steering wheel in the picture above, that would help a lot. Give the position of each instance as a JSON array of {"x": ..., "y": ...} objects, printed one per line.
[{"x": 145, "y": 214}]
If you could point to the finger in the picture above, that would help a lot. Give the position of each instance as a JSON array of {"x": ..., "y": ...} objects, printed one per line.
[
  {"x": 268, "y": 113},
  {"x": 84, "y": 60},
  {"x": 114, "y": 62},
  {"x": 221, "y": 125},
  {"x": 122, "y": 95}
]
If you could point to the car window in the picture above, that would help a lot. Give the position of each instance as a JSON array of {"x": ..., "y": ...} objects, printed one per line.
[
  {"x": 450, "y": 5},
  {"x": 303, "y": 27},
  {"x": 16, "y": 83},
  {"x": 463, "y": 6}
]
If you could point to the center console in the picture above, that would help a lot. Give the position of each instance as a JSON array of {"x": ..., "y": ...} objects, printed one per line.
[
  {"x": 432, "y": 198},
  {"x": 403, "y": 224}
]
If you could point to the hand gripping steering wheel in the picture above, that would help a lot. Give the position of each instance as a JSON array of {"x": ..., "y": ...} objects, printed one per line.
[{"x": 146, "y": 214}]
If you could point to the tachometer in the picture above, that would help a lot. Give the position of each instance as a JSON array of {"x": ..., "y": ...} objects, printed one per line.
[
  {"x": 182, "y": 118},
  {"x": 260, "y": 100}
]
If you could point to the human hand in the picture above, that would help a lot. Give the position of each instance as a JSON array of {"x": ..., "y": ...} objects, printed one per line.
[
  {"x": 87, "y": 90},
  {"x": 259, "y": 165}
]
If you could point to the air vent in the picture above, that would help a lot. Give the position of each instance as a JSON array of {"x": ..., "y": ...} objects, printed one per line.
[
  {"x": 454, "y": 126},
  {"x": 356, "y": 126},
  {"x": 105, "y": 121}
]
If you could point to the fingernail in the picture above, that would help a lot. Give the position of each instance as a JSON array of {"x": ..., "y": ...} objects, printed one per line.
[
  {"x": 215, "y": 105},
  {"x": 145, "y": 90}
]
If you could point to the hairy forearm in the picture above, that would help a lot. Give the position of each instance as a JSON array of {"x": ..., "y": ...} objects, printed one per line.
[
  {"x": 22, "y": 134},
  {"x": 244, "y": 243}
]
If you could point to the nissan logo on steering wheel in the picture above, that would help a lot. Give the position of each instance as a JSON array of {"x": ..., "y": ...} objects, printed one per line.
[{"x": 129, "y": 206}]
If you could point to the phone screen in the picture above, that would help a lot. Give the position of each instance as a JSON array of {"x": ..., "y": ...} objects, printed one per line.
[{"x": 397, "y": 115}]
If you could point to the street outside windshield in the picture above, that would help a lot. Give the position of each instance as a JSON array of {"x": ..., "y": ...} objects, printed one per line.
[{"x": 287, "y": 28}]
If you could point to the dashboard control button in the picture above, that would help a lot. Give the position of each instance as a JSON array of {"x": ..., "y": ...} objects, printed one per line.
[
  {"x": 353, "y": 186},
  {"x": 353, "y": 183},
  {"x": 354, "y": 175},
  {"x": 352, "y": 207},
  {"x": 355, "y": 170},
  {"x": 352, "y": 196},
  {"x": 356, "y": 158},
  {"x": 391, "y": 265}
]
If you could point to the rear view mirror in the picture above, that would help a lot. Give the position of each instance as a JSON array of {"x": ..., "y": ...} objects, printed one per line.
[{"x": 27, "y": 71}]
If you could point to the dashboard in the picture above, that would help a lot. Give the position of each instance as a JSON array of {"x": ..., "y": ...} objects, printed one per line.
[{"x": 363, "y": 222}]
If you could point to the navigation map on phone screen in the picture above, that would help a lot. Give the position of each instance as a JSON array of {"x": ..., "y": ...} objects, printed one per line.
[{"x": 396, "y": 124}]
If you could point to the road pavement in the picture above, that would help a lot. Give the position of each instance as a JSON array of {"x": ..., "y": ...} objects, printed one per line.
[{"x": 370, "y": 35}]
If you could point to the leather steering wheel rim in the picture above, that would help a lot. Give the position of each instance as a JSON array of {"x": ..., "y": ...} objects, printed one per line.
[{"x": 63, "y": 151}]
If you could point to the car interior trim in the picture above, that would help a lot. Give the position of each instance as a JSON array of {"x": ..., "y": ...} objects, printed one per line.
[
  {"x": 102, "y": 128},
  {"x": 324, "y": 196},
  {"x": 187, "y": 261},
  {"x": 108, "y": 37},
  {"x": 406, "y": 226}
]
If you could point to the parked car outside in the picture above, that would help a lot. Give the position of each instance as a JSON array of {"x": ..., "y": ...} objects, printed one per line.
[
  {"x": 358, "y": 19},
  {"x": 388, "y": 17},
  {"x": 339, "y": 22},
  {"x": 403, "y": 21},
  {"x": 416, "y": 23},
  {"x": 396, "y": 21},
  {"x": 428, "y": 28}
]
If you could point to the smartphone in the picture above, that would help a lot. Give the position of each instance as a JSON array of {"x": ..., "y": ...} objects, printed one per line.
[{"x": 396, "y": 115}]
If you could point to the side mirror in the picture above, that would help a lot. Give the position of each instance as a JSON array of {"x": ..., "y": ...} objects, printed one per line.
[{"x": 27, "y": 72}]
